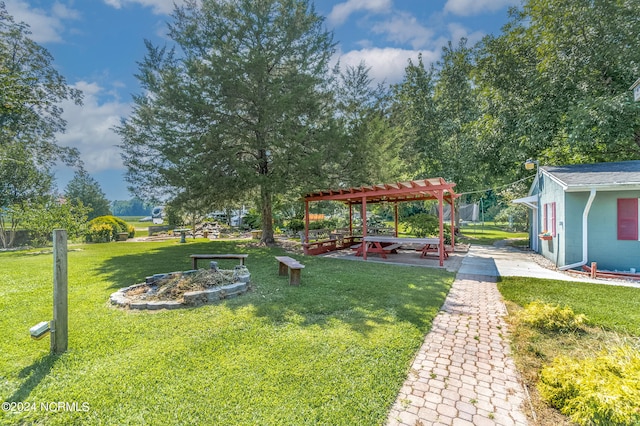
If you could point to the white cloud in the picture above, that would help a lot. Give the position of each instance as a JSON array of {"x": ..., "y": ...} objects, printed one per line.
[
  {"x": 387, "y": 64},
  {"x": 476, "y": 7},
  {"x": 341, "y": 11},
  {"x": 159, "y": 7},
  {"x": 89, "y": 128},
  {"x": 458, "y": 31},
  {"x": 405, "y": 28},
  {"x": 46, "y": 26}
]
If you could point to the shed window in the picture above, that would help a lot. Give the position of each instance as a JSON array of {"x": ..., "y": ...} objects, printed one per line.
[
  {"x": 549, "y": 218},
  {"x": 628, "y": 219}
]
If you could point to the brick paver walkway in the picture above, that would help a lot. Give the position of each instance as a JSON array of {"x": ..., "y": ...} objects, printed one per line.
[{"x": 463, "y": 374}]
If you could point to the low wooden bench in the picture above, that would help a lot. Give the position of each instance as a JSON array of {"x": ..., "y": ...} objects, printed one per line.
[
  {"x": 383, "y": 250},
  {"x": 287, "y": 264},
  {"x": 195, "y": 257},
  {"x": 432, "y": 248},
  {"x": 393, "y": 248}
]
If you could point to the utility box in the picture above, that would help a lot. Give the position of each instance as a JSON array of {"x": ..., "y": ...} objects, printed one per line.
[{"x": 40, "y": 330}]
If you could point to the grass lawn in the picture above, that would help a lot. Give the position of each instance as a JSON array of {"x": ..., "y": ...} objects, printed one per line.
[
  {"x": 612, "y": 307},
  {"x": 614, "y": 317},
  {"x": 333, "y": 351},
  {"x": 488, "y": 233}
]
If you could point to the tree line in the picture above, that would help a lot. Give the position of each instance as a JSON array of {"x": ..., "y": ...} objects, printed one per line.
[{"x": 243, "y": 106}]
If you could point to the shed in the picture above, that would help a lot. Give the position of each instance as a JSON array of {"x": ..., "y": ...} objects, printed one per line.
[{"x": 586, "y": 213}]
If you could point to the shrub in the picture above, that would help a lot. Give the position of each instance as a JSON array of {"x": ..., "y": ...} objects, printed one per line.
[
  {"x": 551, "y": 318},
  {"x": 602, "y": 390},
  {"x": 296, "y": 225},
  {"x": 322, "y": 224},
  {"x": 99, "y": 233},
  {"x": 422, "y": 224},
  {"x": 115, "y": 224},
  {"x": 132, "y": 231},
  {"x": 253, "y": 219}
]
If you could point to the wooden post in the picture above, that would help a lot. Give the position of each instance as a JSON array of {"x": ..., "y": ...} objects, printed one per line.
[
  {"x": 594, "y": 269},
  {"x": 363, "y": 216},
  {"x": 306, "y": 227},
  {"x": 395, "y": 220},
  {"x": 453, "y": 224},
  {"x": 350, "y": 219},
  {"x": 60, "y": 324},
  {"x": 440, "y": 196}
]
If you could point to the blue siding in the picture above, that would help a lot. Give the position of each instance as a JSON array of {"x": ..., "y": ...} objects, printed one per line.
[
  {"x": 604, "y": 246},
  {"x": 552, "y": 193}
]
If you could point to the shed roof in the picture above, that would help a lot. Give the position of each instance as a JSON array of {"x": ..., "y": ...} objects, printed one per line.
[
  {"x": 602, "y": 176},
  {"x": 414, "y": 190}
]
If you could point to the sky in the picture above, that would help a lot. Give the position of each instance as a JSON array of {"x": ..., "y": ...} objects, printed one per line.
[{"x": 97, "y": 45}]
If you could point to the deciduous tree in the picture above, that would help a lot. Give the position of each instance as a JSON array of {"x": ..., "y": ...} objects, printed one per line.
[
  {"x": 31, "y": 90},
  {"x": 557, "y": 82}
]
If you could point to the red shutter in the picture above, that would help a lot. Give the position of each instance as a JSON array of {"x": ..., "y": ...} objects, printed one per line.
[
  {"x": 628, "y": 219},
  {"x": 553, "y": 219},
  {"x": 545, "y": 217}
]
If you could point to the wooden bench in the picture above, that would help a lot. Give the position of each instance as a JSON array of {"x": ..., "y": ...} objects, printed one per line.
[
  {"x": 195, "y": 257},
  {"x": 377, "y": 248},
  {"x": 287, "y": 264},
  {"x": 393, "y": 248},
  {"x": 432, "y": 248}
]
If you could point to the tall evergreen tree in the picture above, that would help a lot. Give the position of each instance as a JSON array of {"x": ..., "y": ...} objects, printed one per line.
[
  {"x": 243, "y": 107},
  {"x": 368, "y": 153},
  {"x": 86, "y": 190}
]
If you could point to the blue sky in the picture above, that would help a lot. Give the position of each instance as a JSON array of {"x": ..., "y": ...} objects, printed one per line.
[{"x": 96, "y": 45}]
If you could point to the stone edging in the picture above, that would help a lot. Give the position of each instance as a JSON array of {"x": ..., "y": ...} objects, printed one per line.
[{"x": 191, "y": 298}]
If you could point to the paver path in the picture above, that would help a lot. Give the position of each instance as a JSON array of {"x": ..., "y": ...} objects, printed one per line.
[{"x": 463, "y": 373}]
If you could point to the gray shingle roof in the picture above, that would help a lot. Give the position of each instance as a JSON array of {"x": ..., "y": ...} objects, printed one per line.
[{"x": 599, "y": 174}]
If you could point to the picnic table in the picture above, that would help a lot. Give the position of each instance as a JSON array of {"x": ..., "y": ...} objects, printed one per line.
[{"x": 383, "y": 245}]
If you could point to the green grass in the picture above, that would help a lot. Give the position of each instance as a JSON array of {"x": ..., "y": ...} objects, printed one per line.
[
  {"x": 613, "y": 315},
  {"x": 333, "y": 351},
  {"x": 611, "y": 307},
  {"x": 487, "y": 234},
  {"x": 135, "y": 222}
]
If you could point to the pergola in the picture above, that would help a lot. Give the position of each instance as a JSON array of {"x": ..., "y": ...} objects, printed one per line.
[{"x": 416, "y": 190}]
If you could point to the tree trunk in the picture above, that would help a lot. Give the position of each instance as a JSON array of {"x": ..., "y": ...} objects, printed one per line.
[{"x": 267, "y": 216}]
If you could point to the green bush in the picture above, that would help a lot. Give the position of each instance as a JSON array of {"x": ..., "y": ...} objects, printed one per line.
[
  {"x": 99, "y": 233},
  {"x": 253, "y": 219},
  {"x": 323, "y": 224},
  {"x": 551, "y": 318},
  {"x": 97, "y": 230},
  {"x": 132, "y": 231},
  {"x": 296, "y": 225},
  {"x": 602, "y": 390},
  {"x": 422, "y": 224}
]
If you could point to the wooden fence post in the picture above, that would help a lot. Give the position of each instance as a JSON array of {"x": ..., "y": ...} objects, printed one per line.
[{"x": 60, "y": 325}]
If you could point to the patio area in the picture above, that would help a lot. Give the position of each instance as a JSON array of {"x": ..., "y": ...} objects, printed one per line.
[{"x": 408, "y": 258}]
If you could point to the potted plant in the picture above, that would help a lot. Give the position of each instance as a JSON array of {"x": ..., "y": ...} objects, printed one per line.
[{"x": 545, "y": 235}]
